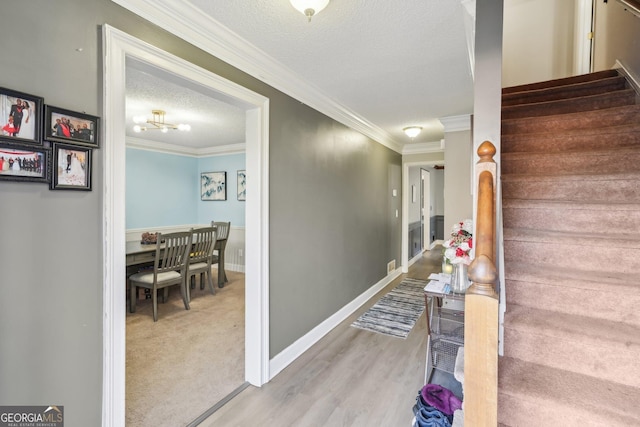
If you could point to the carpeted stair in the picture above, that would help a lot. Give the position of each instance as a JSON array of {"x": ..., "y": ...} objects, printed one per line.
[{"x": 570, "y": 165}]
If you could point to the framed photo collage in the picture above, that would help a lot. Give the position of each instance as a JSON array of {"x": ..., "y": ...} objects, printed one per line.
[{"x": 43, "y": 143}]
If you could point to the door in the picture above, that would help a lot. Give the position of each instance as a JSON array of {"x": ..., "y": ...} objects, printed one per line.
[{"x": 426, "y": 208}]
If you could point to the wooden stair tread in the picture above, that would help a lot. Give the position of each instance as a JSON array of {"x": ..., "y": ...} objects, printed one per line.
[
  {"x": 577, "y": 89},
  {"x": 571, "y": 105},
  {"x": 563, "y": 81},
  {"x": 573, "y": 121}
]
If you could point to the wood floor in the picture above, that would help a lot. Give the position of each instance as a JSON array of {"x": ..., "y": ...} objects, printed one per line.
[{"x": 351, "y": 377}]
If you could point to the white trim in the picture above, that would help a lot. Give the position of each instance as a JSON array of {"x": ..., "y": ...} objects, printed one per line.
[
  {"x": 116, "y": 47},
  {"x": 584, "y": 24},
  {"x": 456, "y": 123},
  {"x": 422, "y": 147},
  {"x": 163, "y": 147},
  {"x": 436, "y": 243},
  {"x": 191, "y": 24},
  {"x": 633, "y": 79},
  {"x": 302, "y": 344}
]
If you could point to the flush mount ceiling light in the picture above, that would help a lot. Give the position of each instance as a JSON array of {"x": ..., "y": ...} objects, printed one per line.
[
  {"x": 412, "y": 131},
  {"x": 309, "y": 7},
  {"x": 157, "y": 123}
]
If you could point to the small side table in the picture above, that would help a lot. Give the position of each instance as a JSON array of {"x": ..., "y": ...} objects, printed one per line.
[{"x": 445, "y": 333}]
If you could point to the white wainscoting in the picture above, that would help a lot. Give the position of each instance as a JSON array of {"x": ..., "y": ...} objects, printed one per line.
[{"x": 234, "y": 253}]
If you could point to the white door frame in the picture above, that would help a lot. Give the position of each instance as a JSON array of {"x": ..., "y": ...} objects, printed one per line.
[
  {"x": 425, "y": 180},
  {"x": 117, "y": 46},
  {"x": 583, "y": 56}
]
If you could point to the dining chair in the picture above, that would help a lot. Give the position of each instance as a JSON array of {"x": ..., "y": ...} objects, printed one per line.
[
  {"x": 203, "y": 242},
  {"x": 223, "y": 229},
  {"x": 169, "y": 268}
]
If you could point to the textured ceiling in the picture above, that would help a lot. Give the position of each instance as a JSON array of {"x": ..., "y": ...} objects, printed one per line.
[
  {"x": 213, "y": 122},
  {"x": 395, "y": 64}
]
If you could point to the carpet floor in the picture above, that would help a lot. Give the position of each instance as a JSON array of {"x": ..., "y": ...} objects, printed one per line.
[
  {"x": 396, "y": 312},
  {"x": 187, "y": 361}
]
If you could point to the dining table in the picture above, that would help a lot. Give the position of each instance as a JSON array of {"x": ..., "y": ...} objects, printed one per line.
[{"x": 139, "y": 255}]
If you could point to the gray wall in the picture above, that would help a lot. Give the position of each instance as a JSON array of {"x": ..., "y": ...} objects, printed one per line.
[{"x": 333, "y": 225}]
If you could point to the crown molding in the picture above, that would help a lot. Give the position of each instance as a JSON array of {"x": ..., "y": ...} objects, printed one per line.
[
  {"x": 456, "y": 123},
  {"x": 163, "y": 147},
  {"x": 194, "y": 26},
  {"x": 422, "y": 148}
]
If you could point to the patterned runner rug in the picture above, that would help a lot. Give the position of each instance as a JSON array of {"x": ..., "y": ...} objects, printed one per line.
[{"x": 395, "y": 313}]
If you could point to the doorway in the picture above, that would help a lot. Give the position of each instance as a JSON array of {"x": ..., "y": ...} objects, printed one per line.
[
  {"x": 426, "y": 208},
  {"x": 117, "y": 47}
]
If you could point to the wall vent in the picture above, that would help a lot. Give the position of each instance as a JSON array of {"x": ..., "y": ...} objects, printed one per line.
[{"x": 391, "y": 266}]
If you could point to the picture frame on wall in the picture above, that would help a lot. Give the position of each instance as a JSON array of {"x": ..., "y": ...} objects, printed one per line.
[
  {"x": 25, "y": 163},
  {"x": 242, "y": 185},
  {"x": 71, "y": 127},
  {"x": 213, "y": 185},
  {"x": 71, "y": 167},
  {"x": 20, "y": 117}
]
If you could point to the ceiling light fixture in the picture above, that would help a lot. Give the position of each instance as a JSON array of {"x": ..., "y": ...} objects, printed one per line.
[
  {"x": 412, "y": 131},
  {"x": 309, "y": 7},
  {"x": 157, "y": 123}
]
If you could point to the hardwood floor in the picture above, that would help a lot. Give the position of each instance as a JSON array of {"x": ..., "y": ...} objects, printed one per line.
[{"x": 351, "y": 377}]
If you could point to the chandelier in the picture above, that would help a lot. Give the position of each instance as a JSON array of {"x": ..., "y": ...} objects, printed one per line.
[{"x": 157, "y": 123}]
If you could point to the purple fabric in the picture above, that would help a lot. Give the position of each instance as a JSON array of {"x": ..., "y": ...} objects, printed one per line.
[{"x": 440, "y": 398}]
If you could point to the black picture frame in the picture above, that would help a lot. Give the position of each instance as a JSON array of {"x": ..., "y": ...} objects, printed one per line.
[
  {"x": 80, "y": 129},
  {"x": 213, "y": 186},
  {"x": 34, "y": 164},
  {"x": 242, "y": 185},
  {"x": 71, "y": 167},
  {"x": 27, "y": 109}
]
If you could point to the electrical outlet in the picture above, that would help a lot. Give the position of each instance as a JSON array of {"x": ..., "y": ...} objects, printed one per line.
[{"x": 240, "y": 252}]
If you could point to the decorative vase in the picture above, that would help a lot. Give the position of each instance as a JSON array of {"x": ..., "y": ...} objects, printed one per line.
[{"x": 459, "y": 279}]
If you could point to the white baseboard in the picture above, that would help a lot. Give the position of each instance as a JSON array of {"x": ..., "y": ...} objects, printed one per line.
[
  {"x": 436, "y": 243},
  {"x": 291, "y": 353}
]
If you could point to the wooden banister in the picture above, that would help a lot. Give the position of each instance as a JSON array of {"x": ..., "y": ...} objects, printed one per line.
[{"x": 481, "y": 304}]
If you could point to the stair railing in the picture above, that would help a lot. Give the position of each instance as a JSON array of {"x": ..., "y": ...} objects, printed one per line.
[{"x": 481, "y": 304}]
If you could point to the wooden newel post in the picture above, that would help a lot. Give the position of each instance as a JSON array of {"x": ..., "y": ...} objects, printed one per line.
[
  {"x": 482, "y": 270},
  {"x": 481, "y": 305}
]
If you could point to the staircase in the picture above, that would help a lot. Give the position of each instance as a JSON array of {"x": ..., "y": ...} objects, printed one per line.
[{"x": 570, "y": 164}]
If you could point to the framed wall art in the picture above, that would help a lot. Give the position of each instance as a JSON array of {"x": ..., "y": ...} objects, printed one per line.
[
  {"x": 24, "y": 163},
  {"x": 71, "y": 167},
  {"x": 71, "y": 127},
  {"x": 20, "y": 117},
  {"x": 213, "y": 186},
  {"x": 242, "y": 185}
]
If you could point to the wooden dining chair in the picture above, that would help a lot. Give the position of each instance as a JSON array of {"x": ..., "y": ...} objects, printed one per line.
[
  {"x": 169, "y": 268},
  {"x": 201, "y": 257},
  {"x": 223, "y": 229}
]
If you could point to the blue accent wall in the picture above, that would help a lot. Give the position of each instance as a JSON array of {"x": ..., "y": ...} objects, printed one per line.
[
  {"x": 164, "y": 189},
  {"x": 232, "y": 209}
]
